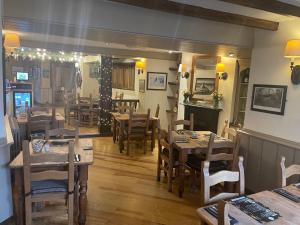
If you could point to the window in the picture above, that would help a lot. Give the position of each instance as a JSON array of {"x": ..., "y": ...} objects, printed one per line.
[{"x": 123, "y": 76}]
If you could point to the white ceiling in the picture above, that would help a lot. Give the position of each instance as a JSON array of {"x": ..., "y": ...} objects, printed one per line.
[{"x": 241, "y": 10}]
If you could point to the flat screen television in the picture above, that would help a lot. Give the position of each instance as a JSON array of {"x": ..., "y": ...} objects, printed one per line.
[{"x": 22, "y": 76}]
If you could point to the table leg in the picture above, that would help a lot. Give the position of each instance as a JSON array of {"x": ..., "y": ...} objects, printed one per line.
[
  {"x": 153, "y": 135},
  {"x": 114, "y": 130},
  {"x": 83, "y": 178},
  {"x": 121, "y": 136},
  {"x": 18, "y": 197},
  {"x": 182, "y": 162}
]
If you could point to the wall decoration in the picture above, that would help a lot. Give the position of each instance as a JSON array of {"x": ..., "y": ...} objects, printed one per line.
[
  {"x": 94, "y": 69},
  {"x": 105, "y": 90},
  {"x": 204, "y": 86},
  {"x": 156, "y": 81},
  {"x": 142, "y": 85},
  {"x": 269, "y": 98},
  {"x": 46, "y": 73}
]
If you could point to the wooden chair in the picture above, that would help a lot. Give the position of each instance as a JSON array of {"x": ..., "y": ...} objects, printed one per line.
[
  {"x": 39, "y": 123},
  {"x": 63, "y": 133},
  {"x": 71, "y": 107},
  {"x": 167, "y": 156},
  {"x": 207, "y": 181},
  {"x": 149, "y": 132},
  {"x": 38, "y": 110},
  {"x": 222, "y": 155},
  {"x": 137, "y": 128},
  {"x": 48, "y": 185},
  {"x": 229, "y": 132},
  {"x": 188, "y": 124},
  {"x": 223, "y": 215},
  {"x": 286, "y": 172},
  {"x": 85, "y": 110}
]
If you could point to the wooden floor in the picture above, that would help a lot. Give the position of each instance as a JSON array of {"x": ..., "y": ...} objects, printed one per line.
[{"x": 123, "y": 191}]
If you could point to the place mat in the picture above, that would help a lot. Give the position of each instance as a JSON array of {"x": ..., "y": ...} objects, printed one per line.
[
  {"x": 297, "y": 185},
  {"x": 213, "y": 210},
  {"x": 254, "y": 209},
  {"x": 287, "y": 195}
]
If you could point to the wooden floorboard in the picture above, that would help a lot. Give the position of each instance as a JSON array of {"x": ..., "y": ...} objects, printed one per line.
[{"x": 123, "y": 190}]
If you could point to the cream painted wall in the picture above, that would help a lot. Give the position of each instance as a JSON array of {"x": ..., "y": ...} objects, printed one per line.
[
  {"x": 226, "y": 88},
  {"x": 152, "y": 98},
  {"x": 269, "y": 66}
]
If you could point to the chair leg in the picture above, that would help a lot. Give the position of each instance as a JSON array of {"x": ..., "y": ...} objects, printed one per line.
[
  {"x": 28, "y": 210},
  {"x": 128, "y": 146},
  {"x": 170, "y": 176},
  {"x": 71, "y": 209},
  {"x": 145, "y": 145},
  {"x": 159, "y": 165}
]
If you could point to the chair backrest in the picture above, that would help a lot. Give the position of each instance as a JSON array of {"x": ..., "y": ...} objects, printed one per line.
[
  {"x": 286, "y": 172},
  {"x": 40, "y": 158},
  {"x": 229, "y": 132},
  {"x": 207, "y": 181},
  {"x": 157, "y": 111},
  {"x": 63, "y": 133},
  {"x": 189, "y": 123},
  {"x": 165, "y": 138},
  {"x": 223, "y": 213},
  {"x": 37, "y": 109},
  {"x": 124, "y": 108},
  {"x": 39, "y": 122},
  {"x": 138, "y": 121},
  {"x": 215, "y": 145}
]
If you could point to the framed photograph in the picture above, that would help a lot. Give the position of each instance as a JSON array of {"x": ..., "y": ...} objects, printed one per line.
[
  {"x": 156, "y": 81},
  {"x": 269, "y": 98},
  {"x": 94, "y": 68},
  {"x": 142, "y": 86},
  {"x": 204, "y": 86}
]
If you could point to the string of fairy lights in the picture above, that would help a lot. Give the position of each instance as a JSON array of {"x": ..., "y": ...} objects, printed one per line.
[
  {"x": 44, "y": 54},
  {"x": 105, "y": 93}
]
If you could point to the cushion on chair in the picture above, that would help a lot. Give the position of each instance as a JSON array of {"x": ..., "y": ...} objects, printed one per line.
[
  {"x": 48, "y": 186},
  {"x": 165, "y": 152},
  {"x": 194, "y": 162}
]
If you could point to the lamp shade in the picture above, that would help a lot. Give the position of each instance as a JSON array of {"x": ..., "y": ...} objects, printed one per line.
[
  {"x": 11, "y": 40},
  {"x": 292, "y": 49},
  {"x": 140, "y": 64},
  {"x": 220, "y": 68},
  {"x": 182, "y": 68}
]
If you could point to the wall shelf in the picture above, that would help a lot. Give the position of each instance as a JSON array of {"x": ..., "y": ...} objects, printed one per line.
[
  {"x": 173, "y": 83},
  {"x": 171, "y": 111},
  {"x": 173, "y": 69},
  {"x": 172, "y": 97}
]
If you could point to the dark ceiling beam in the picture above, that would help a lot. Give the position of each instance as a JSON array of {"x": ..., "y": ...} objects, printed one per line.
[
  {"x": 202, "y": 13},
  {"x": 269, "y": 6}
]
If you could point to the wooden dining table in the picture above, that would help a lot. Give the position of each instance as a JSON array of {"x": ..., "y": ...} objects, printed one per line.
[
  {"x": 289, "y": 210},
  {"x": 58, "y": 123},
  {"x": 192, "y": 146},
  {"x": 122, "y": 119},
  {"x": 86, "y": 159}
]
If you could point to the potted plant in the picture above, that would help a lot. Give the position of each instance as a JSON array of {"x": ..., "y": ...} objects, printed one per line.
[
  {"x": 217, "y": 98},
  {"x": 186, "y": 95}
]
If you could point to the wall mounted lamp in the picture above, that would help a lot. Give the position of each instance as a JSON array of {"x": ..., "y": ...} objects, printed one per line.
[
  {"x": 220, "y": 70},
  {"x": 140, "y": 65},
  {"x": 292, "y": 51},
  {"x": 183, "y": 71},
  {"x": 11, "y": 42}
]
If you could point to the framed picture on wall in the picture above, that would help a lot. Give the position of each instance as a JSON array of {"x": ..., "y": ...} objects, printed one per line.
[
  {"x": 269, "y": 98},
  {"x": 142, "y": 85},
  {"x": 204, "y": 86},
  {"x": 157, "y": 81},
  {"x": 94, "y": 69}
]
